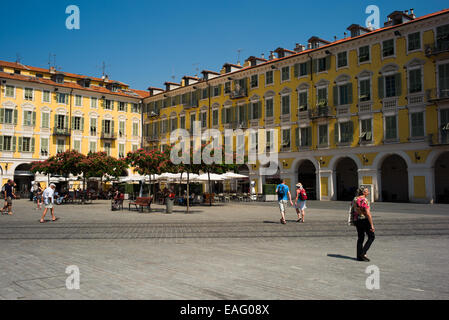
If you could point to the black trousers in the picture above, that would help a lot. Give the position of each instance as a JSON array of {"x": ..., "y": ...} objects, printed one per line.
[{"x": 363, "y": 226}]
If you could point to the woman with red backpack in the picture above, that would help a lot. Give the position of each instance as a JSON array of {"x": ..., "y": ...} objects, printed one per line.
[{"x": 301, "y": 197}]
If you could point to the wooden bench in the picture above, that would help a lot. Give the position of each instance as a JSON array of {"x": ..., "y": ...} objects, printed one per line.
[{"x": 141, "y": 202}]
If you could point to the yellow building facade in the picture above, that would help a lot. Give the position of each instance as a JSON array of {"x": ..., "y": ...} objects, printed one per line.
[
  {"x": 45, "y": 111},
  {"x": 371, "y": 109}
]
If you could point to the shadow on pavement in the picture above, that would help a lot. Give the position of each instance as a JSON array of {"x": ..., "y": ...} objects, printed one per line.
[{"x": 341, "y": 257}]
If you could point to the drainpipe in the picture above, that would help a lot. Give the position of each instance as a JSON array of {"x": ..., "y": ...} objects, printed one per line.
[{"x": 70, "y": 120}]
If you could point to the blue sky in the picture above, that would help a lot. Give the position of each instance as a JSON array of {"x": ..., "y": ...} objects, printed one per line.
[{"x": 145, "y": 43}]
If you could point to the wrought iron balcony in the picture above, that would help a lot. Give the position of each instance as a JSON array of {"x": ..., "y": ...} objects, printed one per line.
[
  {"x": 108, "y": 136},
  {"x": 434, "y": 94},
  {"x": 239, "y": 93},
  {"x": 61, "y": 132},
  {"x": 319, "y": 112},
  {"x": 440, "y": 47}
]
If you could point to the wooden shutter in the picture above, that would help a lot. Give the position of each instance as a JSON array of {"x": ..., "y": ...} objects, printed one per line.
[
  {"x": 335, "y": 94},
  {"x": 380, "y": 86},
  {"x": 336, "y": 133},
  {"x": 223, "y": 115},
  {"x": 296, "y": 70},
  {"x": 20, "y": 144},
  {"x": 328, "y": 62},
  {"x": 56, "y": 121},
  {"x": 219, "y": 89},
  {"x": 314, "y": 65},
  {"x": 14, "y": 139},
  {"x": 1, "y": 143},
  {"x": 351, "y": 130},
  {"x": 32, "y": 144},
  {"x": 397, "y": 82},
  {"x": 15, "y": 117},
  {"x": 34, "y": 119},
  {"x": 102, "y": 125},
  {"x": 2, "y": 115},
  {"x": 297, "y": 137},
  {"x": 112, "y": 127},
  {"x": 73, "y": 123},
  {"x": 82, "y": 123},
  {"x": 259, "y": 109},
  {"x": 349, "y": 85},
  {"x": 309, "y": 136},
  {"x": 308, "y": 67}
]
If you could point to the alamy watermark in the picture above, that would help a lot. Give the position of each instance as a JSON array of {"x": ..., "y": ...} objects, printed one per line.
[
  {"x": 73, "y": 280},
  {"x": 373, "y": 280},
  {"x": 73, "y": 20}
]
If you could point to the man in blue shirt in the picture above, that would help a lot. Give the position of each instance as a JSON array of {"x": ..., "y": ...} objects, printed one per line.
[
  {"x": 9, "y": 195},
  {"x": 282, "y": 192}
]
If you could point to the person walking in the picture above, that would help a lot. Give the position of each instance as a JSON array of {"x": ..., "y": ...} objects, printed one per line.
[
  {"x": 49, "y": 200},
  {"x": 363, "y": 221},
  {"x": 8, "y": 194},
  {"x": 283, "y": 192},
  {"x": 38, "y": 194},
  {"x": 301, "y": 197}
]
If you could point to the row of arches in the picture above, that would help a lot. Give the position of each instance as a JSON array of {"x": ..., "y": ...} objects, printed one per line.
[{"x": 392, "y": 180}]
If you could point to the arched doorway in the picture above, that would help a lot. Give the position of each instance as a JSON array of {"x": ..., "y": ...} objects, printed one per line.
[
  {"x": 274, "y": 178},
  {"x": 394, "y": 179},
  {"x": 23, "y": 178},
  {"x": 442, "y": 178},
  {"x": 347, "y": 179},
  {"x": 307, "y": 177},
  {"x": 243, "y": 183}
]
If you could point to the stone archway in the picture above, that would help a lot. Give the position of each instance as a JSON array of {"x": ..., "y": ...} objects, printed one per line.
[
  {"x": 346, "y": 179},
  {"x": 442, "y": 178},
  {"x": 306, "y": 174},
  {"x": 23, "y": 178},
  {"x": 394, "y": 179}
]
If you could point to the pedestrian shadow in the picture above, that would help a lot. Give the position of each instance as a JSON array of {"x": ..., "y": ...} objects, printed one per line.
[{"x": 339, "y": 256}]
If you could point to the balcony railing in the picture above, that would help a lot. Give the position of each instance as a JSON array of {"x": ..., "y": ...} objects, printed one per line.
[
  {"x": 108, "y": 135},
  {"x": 434, "y": 94},
  {"x": 152, "y": 138},
  {"x": 440, "y": 47},
  {"x": 240, "y": 93},
  {"x": 365, "y": 107},
  {"x": 415, "y": 98},
  {"x": 389, "y": 104},
  {"x": 319, "y": 112},
  {"x": 61, "y": 132}
]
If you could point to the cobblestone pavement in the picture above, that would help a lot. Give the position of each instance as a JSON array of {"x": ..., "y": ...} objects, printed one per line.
[{"x": 231, "y": 251}]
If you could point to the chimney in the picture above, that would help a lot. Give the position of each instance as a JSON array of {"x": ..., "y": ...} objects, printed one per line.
[
  {"x": 299, "y": 47},
  {"x": 406, "y": 11},
  {"x": 309, "y": 45},
  {"x": 412, "y": 14},
  {"x": 52, "y": 70},
  {"x": 262, "y": 56},
  {"x": 272, "y": 56}
]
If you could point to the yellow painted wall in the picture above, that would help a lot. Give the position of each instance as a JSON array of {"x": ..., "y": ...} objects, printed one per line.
[
  {"x": 419, "y": 187},
  {"x": 324, "y": 186}
]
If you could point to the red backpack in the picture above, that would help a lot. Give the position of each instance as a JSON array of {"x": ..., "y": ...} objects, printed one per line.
[{"x": 303, "y": 195}]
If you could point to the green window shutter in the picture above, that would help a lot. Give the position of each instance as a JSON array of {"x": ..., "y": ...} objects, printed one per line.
[
  {"x": 397, "y": 80},
  {"x": 2, "y": 115},
  {"x": 314, "y": 65},
  {"x": 309, "y": 136},
  {"x": 296, "y": 70},
  {"x": 112, "y": 127},
  {"x": 66, "y": 122},
  {"x": 380, "y": 86},
  {"x": 102, "y": 125},
  {"x": 328, "y": 62},
  {"x": 219, "y": 89},
  {"x": 336, "y": 133},
  {"x": 32, "y": 144},
  {"x": 335, "y": 94},
  {"x": 24, "y": 118},
  {"x": 1, "y": 143},
  {"x": 20, "y": 144},
  {"x": 297, "y": 137},
  {"x": 73, "y": 123},
  {"x": 223, "y": 115},
  {"x": 349, "y": 93},
  {"x": 351, "y": 130},
  {"x": 56, "y": 121},
  {"x": 82, "y": 124},
  {"x": 308, "y": 67},
  {"x": 259, "y": 109},
  {"x": 13, "y": 149},
  {"x": 15, "y": 117},
  {"x": 34, "y": 118}
]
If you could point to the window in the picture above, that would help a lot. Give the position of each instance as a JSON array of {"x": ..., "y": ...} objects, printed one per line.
[
  {"x": 286, "y": 104},
  {"x": 345, "y": 132},
  {"x": 269, "y": 107},
  {"x": 442, "y": 37},
  {"x": 62, "y": 98},
  {"x": 343, "y": 94},
  {"x": 364, "y": 54},
  {"x": 302, "y": 101},
  {"x": 192, "y": 122},
  {"x": 322, "y": 96},
  {"x": 322, "y": 64},
  {"x": 322, "y": 135},
  {"x": 8, "y": 115},
  {"x": 107, "y": 148},
  {"x": 388, "y": 48},
  {"x": 303, "y": 69},
  {"x": 390, "y": 86},
  {"x": 215, "y": 117},
  {"x": 46, "y": 96},
  {"x": 135, "y": 129},
  {"x": 443, "y": 80},
  {"x": 28, "y": 94},
  {"x": 286, "y": 139},
  {"x": 135, "y": 108},
  {"x": 77, "y": 145},
  {"x": 29, "y": 118},
  {"x": 108, "y": 104},
  {"x": 93, "y": 126},
  {"x": 182, "y": 120},
  {"x": 121, "y": 106},
  {"x": 269, "y": 77},
  {"x": 93, "y": 102},
  {"x": 254, "y": 81},
  {"x": 255, "y": 108},
  {"x": 121, "y": 129},
  {"x": 60, "y": 121},
  {"x": 414, "y": 41},
  {"x": 268, "y": 139},
  {"x": 306, "y": 137},
  {"x": 9, "y": 91},
  {"x": 365, "y": 90},
  {"x": 417, "y": 124},
  {"x": 92, "y": 146},
  {"x": 26, "y": 144},
  {"x": 415, "y": 84},
  {"x": 444, "y": 125},
  {"x": 44, "y": 147},
  {"x": 390, "y": 128},
  {"x": 107, "y": 126},
  {"x": 77, "y": 123},
  {"x": 285, "y": 73},
  {"x": 216, "y": 92},
  {"x": 203, "y": 119},
  {"x": 227, "y": 87},
  {"x": 342, "y": 59},
  {"x": 78, "y": 100},
  {"x": 7, "y": 143},
  {"x": 366, "y": 133},
  {"x": 121, "y": 150},
  {"x": 134, "y": 147}
]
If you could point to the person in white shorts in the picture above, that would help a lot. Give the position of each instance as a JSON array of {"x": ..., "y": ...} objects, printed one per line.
[
  {"x": 282, "y": 192},
  {"x": 49, "y": 200}
]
